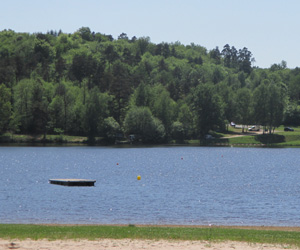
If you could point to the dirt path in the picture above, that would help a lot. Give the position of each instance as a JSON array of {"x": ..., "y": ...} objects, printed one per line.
[{"x": 244, "y": 134}]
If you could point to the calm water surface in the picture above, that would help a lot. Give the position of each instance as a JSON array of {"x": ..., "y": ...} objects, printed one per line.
[{"x": 179, "y": 185}]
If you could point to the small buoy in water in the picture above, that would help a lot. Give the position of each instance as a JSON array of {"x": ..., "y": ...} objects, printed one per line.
[
  {"x": 117, "y": 163},
  {"x": 181, "y": 158},
  {"x": 138, "y": 177}
]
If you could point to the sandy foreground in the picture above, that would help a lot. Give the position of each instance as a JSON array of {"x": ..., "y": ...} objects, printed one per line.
[{"x": 128, "y": 244}]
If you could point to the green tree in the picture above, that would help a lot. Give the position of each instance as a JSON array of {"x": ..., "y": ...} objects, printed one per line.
[
  {"x": 142, "y": 95},
  {"x": 282, "y": 65},
  {"x": 243, "y": 111},
  {"x": 56, "y": 112},
  {"x": 294, "y": 87},
  {"x": 269, "y": 104},
  {"x": 216, "y": 55},
  {"x": 96, "y": 110},
  {"x": 110, "y": 129},
  {"x": 143, "y": 44},
  {"x": 120, "y": 88},
  {"x": 60, "y": 67},
  {"x": 177, "y": 131},
  {"x": 5, "y": 107},
  {"x": 44, "y": 56},
  {"x": 14, "y": 124},
  {"x": 110, "y": 54},
  {"x": 292, "y": 114},
  {"x": 207, "y": 107},
  {"x": 275, "y": 106},
  {"x": 67, "y": 93},
  {"x": 260, "y": 107},
  {"x": 77, "y": 123},
  {"x": 226, "y": 52},
  {"x": 123, "y": 36},
  {"x": 217, "y": 75},
  {"x": 163, "y": 107},
  {"x": 140, "y": 122},
  {"x": 85, "y": 33},
  {"x": 83, "y": 65},
  {"x": 228, "y": 100},
  {"x": 185, "y": 117},
  {"x": 244, "y": 60},
  {"x": 23, "y": 103},
  {"x": 40, "y": 99}
]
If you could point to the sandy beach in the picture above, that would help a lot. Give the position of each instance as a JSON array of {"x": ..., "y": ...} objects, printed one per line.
[{"x": 128, "y": 244}]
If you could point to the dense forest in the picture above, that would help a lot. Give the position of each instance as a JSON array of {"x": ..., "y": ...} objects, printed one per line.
[{"x": 91, "y": 84}]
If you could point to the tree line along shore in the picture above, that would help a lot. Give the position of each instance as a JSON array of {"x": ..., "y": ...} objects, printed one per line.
[{"x": 90, "y": 87}]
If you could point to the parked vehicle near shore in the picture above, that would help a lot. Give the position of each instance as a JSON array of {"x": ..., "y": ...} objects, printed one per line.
[
  {"x": 288, "y": 129},
  {"x": 254, "y": 128}
]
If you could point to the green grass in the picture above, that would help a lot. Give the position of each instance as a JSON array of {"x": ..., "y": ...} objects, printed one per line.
[
  {"x": 55, "y": 232},
  {"x": 280, "y": 138},
  {"x": 17, "y": 138},
  {"x": 292, "y": 138},
  {"x": 247, "y": 139},
  {"x": 66, "y": 138}
]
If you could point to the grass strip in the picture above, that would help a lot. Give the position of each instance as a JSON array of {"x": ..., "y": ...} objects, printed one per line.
[{"x": 93, "y": 232}]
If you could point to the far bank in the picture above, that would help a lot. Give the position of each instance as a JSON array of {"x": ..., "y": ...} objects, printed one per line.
[{"x": 233, "y": 137}]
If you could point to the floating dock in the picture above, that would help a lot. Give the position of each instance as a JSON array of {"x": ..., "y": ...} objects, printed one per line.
[{"x": 73, "y": 182}]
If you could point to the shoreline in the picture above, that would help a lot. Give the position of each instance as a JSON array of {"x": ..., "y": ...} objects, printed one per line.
[
  {"x": 223, "y": 141},
  {"x": 127, "y": 145},
  {"x": 271, "y": 228}
]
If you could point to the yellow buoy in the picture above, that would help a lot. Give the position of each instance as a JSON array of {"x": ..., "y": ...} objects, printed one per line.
[{"x": 138, "y": 177}]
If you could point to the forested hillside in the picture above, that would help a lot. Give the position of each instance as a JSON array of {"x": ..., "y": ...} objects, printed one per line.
[{"x": 91, "y": 84}]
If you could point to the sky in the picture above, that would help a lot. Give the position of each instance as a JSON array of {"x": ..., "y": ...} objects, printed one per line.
[{"x": 267, "y": 28}]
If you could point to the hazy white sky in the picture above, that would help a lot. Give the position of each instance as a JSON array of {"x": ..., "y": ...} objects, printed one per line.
[{"x": 268, "y": 28}]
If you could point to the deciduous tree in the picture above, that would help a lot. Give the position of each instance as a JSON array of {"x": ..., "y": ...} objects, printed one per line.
[
  {"x": 140, "y": 122},
  {"x": 206, "y": 105},
  {"x": 5, "y": 107},
  {"x": 243, "y": 104}
]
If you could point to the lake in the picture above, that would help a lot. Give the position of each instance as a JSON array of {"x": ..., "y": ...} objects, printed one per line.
[{"x": 179, "y": 185}]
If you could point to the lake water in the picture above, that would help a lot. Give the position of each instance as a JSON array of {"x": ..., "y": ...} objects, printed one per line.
[{"x": 179, "y": 185}]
